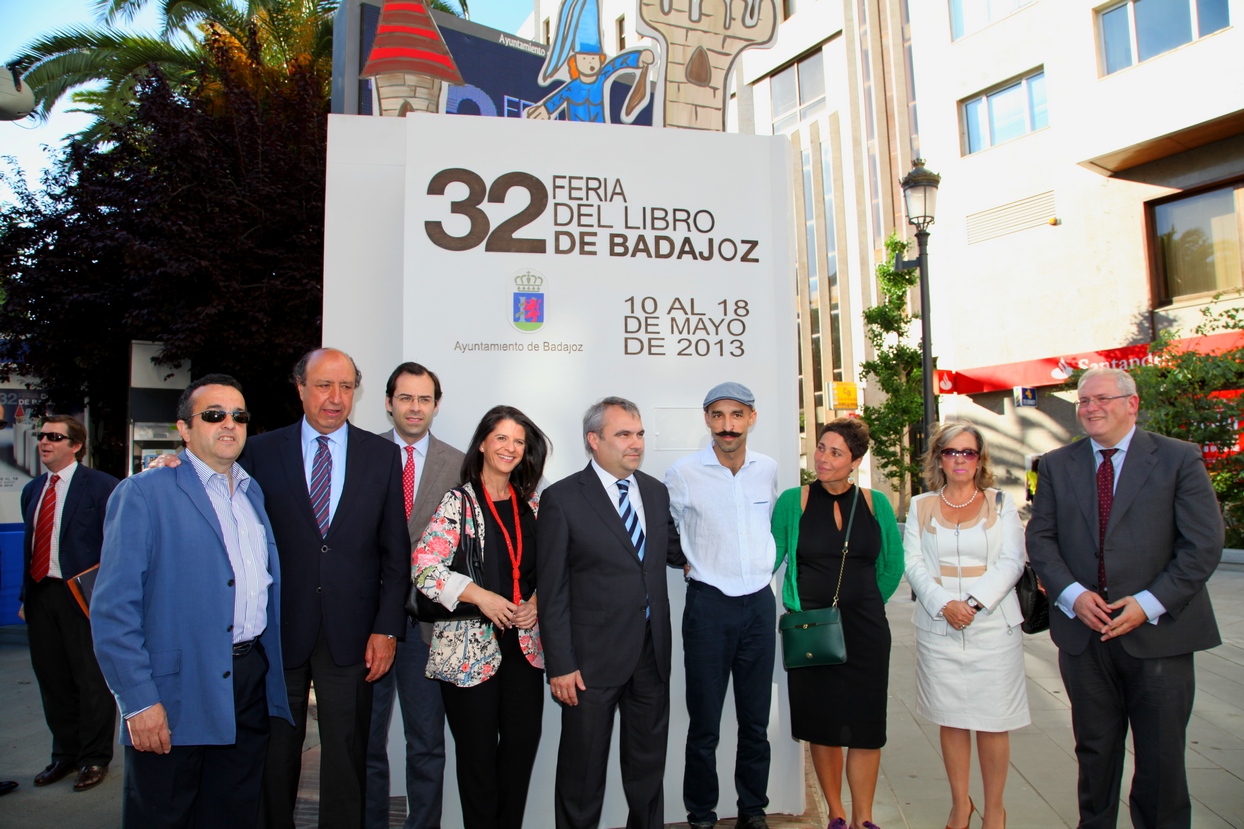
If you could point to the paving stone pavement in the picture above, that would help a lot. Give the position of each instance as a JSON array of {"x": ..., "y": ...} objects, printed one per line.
[{"x": 912, "y": 791}]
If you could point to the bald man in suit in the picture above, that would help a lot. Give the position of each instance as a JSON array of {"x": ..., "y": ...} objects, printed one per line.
[{"x": 1125, "y": 532}]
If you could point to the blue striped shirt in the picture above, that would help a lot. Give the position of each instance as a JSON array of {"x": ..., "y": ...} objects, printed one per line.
[{"x": 246, "y": 542}]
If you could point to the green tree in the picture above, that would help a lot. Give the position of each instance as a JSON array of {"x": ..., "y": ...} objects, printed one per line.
[
  {"x": 1199, "y": 397},
  {"x": 200, "y": 225},
  {"x": 895, "y": 367}
]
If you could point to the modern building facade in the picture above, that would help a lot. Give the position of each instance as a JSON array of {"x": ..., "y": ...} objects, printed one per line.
[{"x": 1092, "y": 163}]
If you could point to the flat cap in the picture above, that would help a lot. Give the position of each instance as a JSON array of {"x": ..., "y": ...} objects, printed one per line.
[{"x": 730, "y": 391}]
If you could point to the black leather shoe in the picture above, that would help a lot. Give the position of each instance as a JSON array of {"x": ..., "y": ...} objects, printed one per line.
[
  {"x": 56, "y": 770},
  {"x": 7, "y": 786},
  {"x": 752, "y": 822},
  {"x": 89, "y": 777}
]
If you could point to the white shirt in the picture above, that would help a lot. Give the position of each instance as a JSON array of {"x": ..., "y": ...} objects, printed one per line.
[
  {"x": 62, "y": 490},
  {"x": 337, "y": 449},
  {"x": 610, "y": 484},
  {"x": 724, "y": 519},
  {"x": 421, "y": 454},
  {"x": 1147, "y": 601},
  {"x": 246, "y": 543}
]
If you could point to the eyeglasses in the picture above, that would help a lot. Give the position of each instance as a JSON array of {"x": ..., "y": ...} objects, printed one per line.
[
  {"x": 966, "y": 454},
  {"x": 240, "y": 416},
  {"x": 55, "y": 437},
  {"x": 1100, "y": 400}
]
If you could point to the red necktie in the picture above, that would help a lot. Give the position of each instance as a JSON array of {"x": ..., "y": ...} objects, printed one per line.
[
  {"x": 41, "y": 560},
  {"x": 408, "y": 480},
  {"x": 1105, "y": 499}
]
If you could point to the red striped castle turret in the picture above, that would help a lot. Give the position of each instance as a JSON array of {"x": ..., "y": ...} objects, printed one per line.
[{"x": 409, "y": 59}]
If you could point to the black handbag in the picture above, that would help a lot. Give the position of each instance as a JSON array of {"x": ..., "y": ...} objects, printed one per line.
[
  {"x": 1033, "y": 603},
  {"x": 814, "y": 637},
  {"x": 468, "y": 559}
]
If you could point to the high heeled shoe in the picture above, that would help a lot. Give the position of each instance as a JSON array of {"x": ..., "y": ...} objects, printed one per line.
[{"x": 971, "y": 811}]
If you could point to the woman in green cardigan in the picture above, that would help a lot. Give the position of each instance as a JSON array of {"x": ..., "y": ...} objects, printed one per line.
[{"x": 836, "y": 706}]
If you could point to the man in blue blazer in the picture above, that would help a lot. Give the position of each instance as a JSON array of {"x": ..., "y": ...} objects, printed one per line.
[
  {"x": 63, "y": 510},
  {"x": 186, "y": 617}
]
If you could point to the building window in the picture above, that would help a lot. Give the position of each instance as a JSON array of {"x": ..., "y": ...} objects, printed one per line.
[
  {"x": 834, "y": 299},
  {"x": 1007, "y": 112},
  {"x": 1198, "y": 242},
  {"x": 798, "y": 92},
  {"x": 547, "y": 39},
  {"x": 620, "y": 27},
  {"x": 966, "y": 16},
  {"x": 788, "y": 8},
  {"x": 1137, "y": 30}
]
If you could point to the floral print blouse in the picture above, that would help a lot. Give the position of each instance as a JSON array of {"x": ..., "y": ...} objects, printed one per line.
[{"x": 464, "y": 652}]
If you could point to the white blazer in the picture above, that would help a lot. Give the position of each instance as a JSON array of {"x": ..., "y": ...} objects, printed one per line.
[{"x": 1005, "y": 557}]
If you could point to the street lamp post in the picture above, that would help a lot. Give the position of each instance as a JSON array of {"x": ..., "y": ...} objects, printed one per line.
[{"x": 920, "y": 197}]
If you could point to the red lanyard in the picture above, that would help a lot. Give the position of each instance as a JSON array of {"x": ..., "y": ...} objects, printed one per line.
[{"x": 516, "y": 559}]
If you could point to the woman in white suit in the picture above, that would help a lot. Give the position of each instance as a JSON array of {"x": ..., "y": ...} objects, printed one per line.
[{"x": 963, "y": 553}]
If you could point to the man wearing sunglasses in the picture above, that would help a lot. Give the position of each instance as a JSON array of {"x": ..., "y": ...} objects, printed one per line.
[
  {"x": 1125, "y": 531},
  {"x": 64, "y": 514},
  {"x": 186, "y": 617}
]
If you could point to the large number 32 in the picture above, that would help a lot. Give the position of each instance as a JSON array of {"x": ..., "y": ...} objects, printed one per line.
[{"x": 502, "y": 239}]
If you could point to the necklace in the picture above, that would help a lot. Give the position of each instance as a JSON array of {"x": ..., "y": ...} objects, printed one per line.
[
  {"x": 516, "y": 559},
  {"x": 975, "y": 492}
]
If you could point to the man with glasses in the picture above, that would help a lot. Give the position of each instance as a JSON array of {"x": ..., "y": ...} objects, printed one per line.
[
  {"x": 186, "y": 616},
  {"x": 334, "y": 493},
  {"x": 430, "y": 468},
  {"x": 1125, "y": 532},
  {"x": 64, "y": 514}
]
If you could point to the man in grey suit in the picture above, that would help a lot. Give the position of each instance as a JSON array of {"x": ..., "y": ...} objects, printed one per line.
[
  {"x": 1125, "y": 531},
  {"x": 605, "y": 538},
  {"x": 430, "y": 468}
]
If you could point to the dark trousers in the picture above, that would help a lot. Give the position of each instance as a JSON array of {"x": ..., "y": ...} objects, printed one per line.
[
  {"x": 77, "y": 704},
  {"x": 583, "y": 755},
  {"x": 1108, "y": 689},
  {"x": 205, "y": 787},
  {"x": 727, "y": 637},
  {"x": 423, "y": 721},
  {"x": 496, "y": 728},
  {"x": 343, "y": 707}
]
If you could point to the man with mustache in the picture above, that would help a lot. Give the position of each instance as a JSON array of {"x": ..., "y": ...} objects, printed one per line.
[{"x": 722, "y": 499}]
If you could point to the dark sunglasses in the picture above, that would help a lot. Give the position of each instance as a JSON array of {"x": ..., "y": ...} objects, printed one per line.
[
  {"x": 55, "y": 437},
  {"x": 240, "y": 416},
  {"x": 966, "y": 454}
]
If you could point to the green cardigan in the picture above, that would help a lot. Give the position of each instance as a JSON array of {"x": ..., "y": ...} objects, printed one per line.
[{"x": 786, "y": 516}]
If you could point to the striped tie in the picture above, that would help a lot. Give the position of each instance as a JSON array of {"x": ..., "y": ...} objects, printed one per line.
[
  {"x": 41, "y": 561},
  {"x": 630, "y": 518},
  {"x": 321, "y": 483}
]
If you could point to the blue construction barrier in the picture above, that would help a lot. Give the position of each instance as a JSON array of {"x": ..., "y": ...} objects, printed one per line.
[{"x": 11, "y": 537}]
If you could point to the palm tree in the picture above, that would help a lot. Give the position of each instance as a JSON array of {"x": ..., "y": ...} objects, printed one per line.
[{"x": 276, "y": 37}]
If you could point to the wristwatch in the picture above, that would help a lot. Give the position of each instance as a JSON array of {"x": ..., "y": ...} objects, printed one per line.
[{"x": 975, "y": 605}]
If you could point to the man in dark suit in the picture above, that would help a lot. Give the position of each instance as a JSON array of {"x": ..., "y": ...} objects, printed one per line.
[
  {"x": 64, "y": 514},
  {"x": 605, "y": 539},
  {"x": 186, "y": 616},
  {"x": 334, "y": 494},
  {"x": 430, "y": 468},
  {"x": 1125, "y": 532}
]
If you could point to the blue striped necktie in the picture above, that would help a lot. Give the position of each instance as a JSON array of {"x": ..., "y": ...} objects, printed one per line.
[
  {"x": 630, "y": 518},
  {"x": 321, "y": 483}
]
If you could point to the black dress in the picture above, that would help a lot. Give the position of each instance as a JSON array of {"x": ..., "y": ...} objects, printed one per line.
[{"x": 842, "y": 705}]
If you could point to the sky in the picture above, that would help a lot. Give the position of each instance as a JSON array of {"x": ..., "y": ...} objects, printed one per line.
[{"x": 22, "y": 21}]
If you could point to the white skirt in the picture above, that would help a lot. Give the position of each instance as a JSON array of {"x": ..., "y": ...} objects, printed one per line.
[{"x": 974, "y": 678}]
